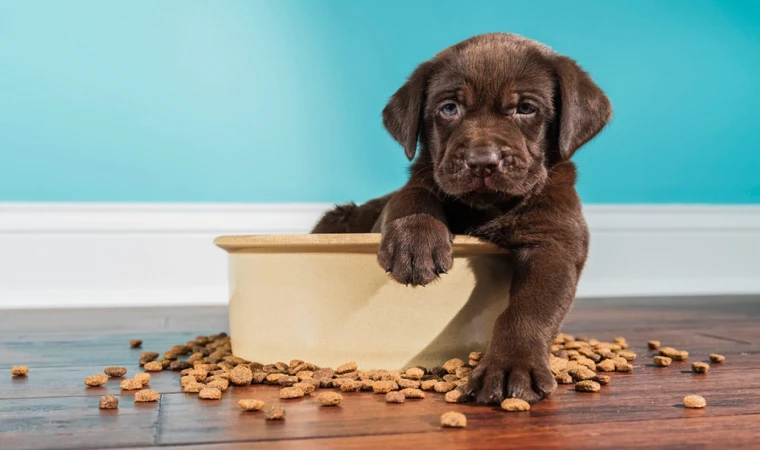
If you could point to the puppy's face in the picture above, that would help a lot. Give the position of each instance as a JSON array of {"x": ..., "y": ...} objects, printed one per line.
[{"x": 494, "y": 113}]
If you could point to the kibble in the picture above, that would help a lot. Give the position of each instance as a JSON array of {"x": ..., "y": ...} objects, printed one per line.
[
  {"x": 452, "y": 365},
  {"x": 146, "y": 395},
  {"x": 403, "y": 383},
  {"x": 606, "y": 366},
  {"x": 96, "y": 380},
  {"x": 587, "y": 386},
  {"x": 329, "y": 399},
  {"x": 413, "y": 393},
  {"x": 414, "y": 373},
  {"x": 603, "y": 380},
  {"x": 135, "y": 343},
  {"x": 274, "y": 413},
  {"x": 218, "y": 383},
  {"x": 115, "y": 371},
  {"x": 564, "y": 378},
  {"x": 581, "y": 374},
  {"x": 428, "y": 385},
  {"x": 250, "y": 404},
  {"x": 453, "y": 419},
  {"x": 109, "y": 402},
  {"x": 154, "y": 366},
  {"x": 515, "y": 404},
  {"x": 444, "y": 386},
  {"x": 241, "y": 376},
  {"x": 210, "y": 393},
  {"x": 143, "y": 378},
  {"x": 395, "y": 397},
  {"x": 19, "y": 371},
  {"x": 351, "y": 385},
  {"x": 307, "y": 388},
  {"x": 131, "y": 385},
  {"x": 694, "y": 401},
  {"x": 654, "y": 345},
  {"x": 455, "y": 396},
  {"x": 291, "y": 392},
  {"x": 345, "y": 368},
  {"x": 700, "y": 367},
  {"x": 716, "y": 358},
  {"x": 193, "y": 388},
  {"x": 383, "y": 387}
]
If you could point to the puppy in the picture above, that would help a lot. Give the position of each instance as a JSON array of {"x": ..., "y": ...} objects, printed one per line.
[{"x": 497, "y": 118}]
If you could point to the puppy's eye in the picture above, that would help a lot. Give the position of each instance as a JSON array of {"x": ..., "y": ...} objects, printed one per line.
[
  {"x": 449, "y": 110},
  {"x": 525, "y": 108}
]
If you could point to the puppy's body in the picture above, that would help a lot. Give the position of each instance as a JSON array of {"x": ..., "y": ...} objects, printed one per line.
[{"x": 497, "y": 118}]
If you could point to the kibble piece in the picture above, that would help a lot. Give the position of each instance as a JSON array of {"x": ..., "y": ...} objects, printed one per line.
[
  {"x": 109, "y": 402},
  {"x": 250, "y": 404},
  {"x": 154, "y": 366},
  {"x": 193, "y": 388},
  {"x": 463, "y": 372},
  {"x": 241, "y": 376},
  {"x": 307, "y": 388},
  {"x": 345, "y": 368},
  {"x": 115, "y": 371},
  {"x": 353, "y": 386},
  {"x": 428, "y": 385},
  {"x": 19, "y": 371},
  {"x": 210, "y": 393},
  {"x": 143, "y": 378},
  {"x": 329, "y": 399},
  {"x": 475, "y": 356},
  {"x": 474, "y": 362},
  {"x": 148, "y": 357},
  {"x": 413, "y": 393},
  {"x": 324, "y": 373},
  {"x": 274, "y": 378},
  {"x": 694, "y": 401},
  {"x": 287, "y": 381},
  {"x": 274, "y": 413},
  {"x": 383, "y": 387},
  {"x": 627, "y": 354},
  {"x": 603, "y": 380},
  {"x": 180, "y": 365},
  {"x": 452, "y": 365},
  {"x": 587, "y": 386},
  {"x": 455, "y": 396},
  {"x": 700, "y": 367},
  {"x": 662, "y": 361},
  {"x": 606, "y": 366},
  {"x": 395, "y": 397},
  {"x": 453, "y": 419},
  {"x": 146, "y": 395},
  {"x": 282, "y": 367},
  {"x": 444, "y": 386},
  {"x": 304, "y": 374},
  {"x": 564, "y": 378},
  {"x": 515, "y": 404},
  {"x": 291, "y": 392},
  {"x": 258, "y": 377},
  {"x": 403, "y": 383},
  {"x": 131, "y": 385},
  {"x": 681, "y": 356},
  {"x": 135, "y": 343},
  {"x": 218, "y": 383},
  {"x": 623, "y": 367},
  {"x": 654, "y": 345},
  {"x": 96, "y": 380},
  {"x": 581, "y": 374},
  {"x": 716, "y": 358},
  {"x": 450, "y": 377},
  {"x": 414, "y": 373}
]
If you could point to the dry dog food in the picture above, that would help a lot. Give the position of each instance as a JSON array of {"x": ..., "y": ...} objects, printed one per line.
[
  {"x": 131, "y": 385},
  {"x": 603, "y": 380},
  {"x": 241, "y": 376},
  {"x": 291, "y": 392},
  {"x": 307, "y": 388},
  {"x": 444, "y": 386},
  {"x": 694, "y": 401},
  {"x": 218, "y": 383},
  {"x": 581, "y": 374},
  {"x": 716, "y": 358},
  {"x": 395, "y": 397},
  {"x": 564, "y": 378},
  {"x": 455, "y": 396},
  {"x": 515, "y": 404},
  {"x": 108, "y": 402},
  {"x": 383, "y": 387},
  {"x": 662, "y": 361},
  {"x": 414, "y": 373},
  {"x": 135, "y": 343},
  {"x": 345, "y": 368},
  {"x": 193, "y": 388},
  {"x": 654, "y": 345},
  {"x": 154, "y": 366},
  {"x": 180, "y": 365},
  {"x": 413, "y": 393},
  {"x": 96, "y": 380},
  {"x": 329, "y": 399},
  {"x": 452, "y": 365},
  {"x": 19, "y": 371},
  {"x": 675, "y": 355},
  {"x": 210, "y": 393},
  {"x": 587, "y": 386},
  {"x": 274, "y": 413},
  {"x": 453, "y": 419},
  {"x": 142, "y": 377},
  {"x": 428, "y": 385},
  {"x": 606, "y": 366},
  {"x": 115, "y": 371},
  {"x": 700, "y": 367},
  {"x": 250, "y": 404},
  {"x": 146, "y": 395},
  {"x": 403, "y": 383}
]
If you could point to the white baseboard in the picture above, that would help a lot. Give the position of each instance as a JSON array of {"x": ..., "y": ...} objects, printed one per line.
[{"x": 85, "y": 255}]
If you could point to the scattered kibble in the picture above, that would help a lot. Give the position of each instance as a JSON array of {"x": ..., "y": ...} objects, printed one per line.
[
  {"x": 218, "y": 383},
  {"x": 587, "y": 386},
  {"x": 413, "y": 393},
  {"x": 19, "y": 371},
  {"x": 453, "y": 419},
  {"x": 395, "y": 397},
  {"x": 241, "y": 376},
  {"x": 329, "y": 399},
  {"x": 115, "y": 371},
  {"x": 154, "y": 366},
  {"x": 193, "y": 388},
  {"x": 135, "y": 343},
  {"x": 291, "y": 392},
  {"x": 694, "y": 401},
  {"x": 96, "y": 380},
  {"x": 210, "y": 393},
  {"x": 662, "y": 361},
  {"x": 346, "y": 368},
  {"x": 131, "y": 385},
  {"x": 455, "y": 396},
  {"x": 515, "y": 404},
  {"x": 603, "y": 380},
  {"x": 142, "y": 377},
  {"x": 250, "y": 404},
  {"x": 109, "y": 402},
  {"x": 146, "y": 395},
  {"x": 444, "y": 386},
  {"x": 274, "y": 413},
  {"x": 654, "y": 345},
  {"x": 716, "y": 358},
  {"x": 452, "y": 365},
  {"x": 414, "y": 373},
  {"x": 700, "y": 367}
]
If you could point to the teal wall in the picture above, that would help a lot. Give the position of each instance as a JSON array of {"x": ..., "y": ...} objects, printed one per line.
[{"x": 279, "y": 101}]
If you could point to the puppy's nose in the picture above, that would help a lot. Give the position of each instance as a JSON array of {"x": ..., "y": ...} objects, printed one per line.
[{"x": 483, "y": 161}]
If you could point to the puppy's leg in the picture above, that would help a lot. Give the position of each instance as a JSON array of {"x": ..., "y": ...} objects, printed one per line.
[
  {"x": 416, "y": 244},
  {"x": 516, "y": 362},
  {"x": 350, "y": 218}
]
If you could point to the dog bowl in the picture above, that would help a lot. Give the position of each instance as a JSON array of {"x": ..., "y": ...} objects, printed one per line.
[{"x": 323, "y": 298}]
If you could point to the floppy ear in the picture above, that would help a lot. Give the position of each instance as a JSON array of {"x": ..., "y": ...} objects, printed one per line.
[
  {"x": 583, "y": 109},
  {"x": 402, "y": 115}
]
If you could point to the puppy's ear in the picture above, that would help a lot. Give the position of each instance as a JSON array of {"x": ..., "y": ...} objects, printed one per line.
[
  {"x": 402, "y": 115},
  {"x": 582, "y": 110}
]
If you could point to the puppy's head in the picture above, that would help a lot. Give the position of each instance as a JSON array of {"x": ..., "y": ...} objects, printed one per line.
[{"x": 495, "y": 113}]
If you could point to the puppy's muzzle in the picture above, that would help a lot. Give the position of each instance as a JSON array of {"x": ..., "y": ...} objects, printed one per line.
[{"x": 483, "y": 161}]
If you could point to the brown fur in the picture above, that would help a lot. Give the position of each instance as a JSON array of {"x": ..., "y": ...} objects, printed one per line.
[{"x": 497, "y": 168}]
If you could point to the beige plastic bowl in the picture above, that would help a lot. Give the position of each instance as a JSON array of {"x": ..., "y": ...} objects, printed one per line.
[{"x": 324, "y": 299}]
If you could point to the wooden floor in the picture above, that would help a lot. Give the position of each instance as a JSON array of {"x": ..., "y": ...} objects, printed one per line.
[{"x": 52, "y": 409}]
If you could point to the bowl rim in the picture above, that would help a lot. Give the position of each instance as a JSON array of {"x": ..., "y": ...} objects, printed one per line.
[{"x": 334, "y": 243}]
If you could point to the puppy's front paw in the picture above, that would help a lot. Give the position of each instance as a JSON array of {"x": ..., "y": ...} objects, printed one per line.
[
  {"x": 415, "y": 249},
  {"x": 498, "y": 377}
]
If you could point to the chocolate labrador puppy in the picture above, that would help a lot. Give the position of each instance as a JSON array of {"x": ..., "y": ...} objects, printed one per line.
[{"x": 497, "y": 118}]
